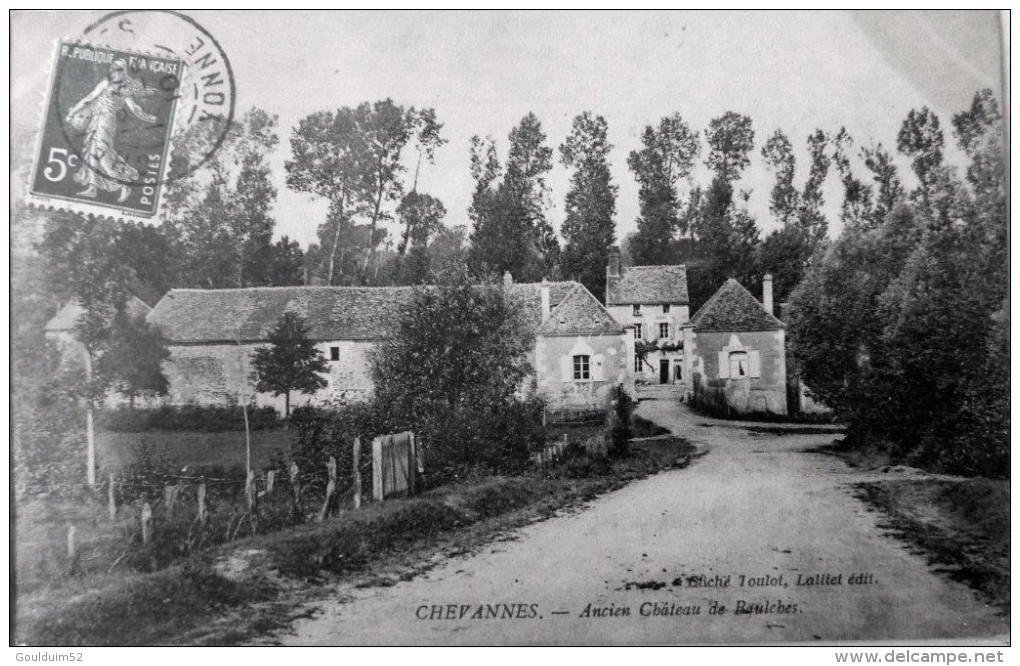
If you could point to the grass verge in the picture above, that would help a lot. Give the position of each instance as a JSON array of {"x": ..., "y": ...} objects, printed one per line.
[
  {"x": 961, "y": 527},
  {"x": 238, "y": 592}
]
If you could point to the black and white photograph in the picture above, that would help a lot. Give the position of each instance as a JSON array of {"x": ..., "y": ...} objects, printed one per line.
[{"x": 510, "y": 328}]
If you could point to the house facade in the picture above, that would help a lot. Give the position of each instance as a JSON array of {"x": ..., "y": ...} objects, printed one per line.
[
  {"x": 735, "y": 353},
  {"x": 653, "y": 304},
  {"x": 578, "y": 353}
]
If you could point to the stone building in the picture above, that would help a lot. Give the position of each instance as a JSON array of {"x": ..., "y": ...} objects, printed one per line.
[
  {"x": 735, "y": 352},
  {"x": 60, "y": 329},
  {"x": 652, "y": 302},
  {"x": 578, "y": 355}
]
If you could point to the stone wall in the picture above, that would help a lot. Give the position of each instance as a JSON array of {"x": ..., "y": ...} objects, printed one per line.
[
  {"x": 214, "y": 374},
  {"x": 762, "y": 389},
  {"x": 217, "y": 375},
  {"x": 553, "y": 364}
]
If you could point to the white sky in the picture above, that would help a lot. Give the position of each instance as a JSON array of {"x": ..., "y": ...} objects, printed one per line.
[{"x": 482, "y": 71}]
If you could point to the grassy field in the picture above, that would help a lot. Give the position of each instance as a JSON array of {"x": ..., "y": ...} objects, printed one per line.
[
  {"x": 116, "y": 450},
  {"x": 237, "y": 591}
]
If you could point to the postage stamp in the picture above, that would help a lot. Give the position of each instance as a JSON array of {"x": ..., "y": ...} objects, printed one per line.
[
  {"x": 109, "y": 118},
  {"x": 206, "y": 105}
]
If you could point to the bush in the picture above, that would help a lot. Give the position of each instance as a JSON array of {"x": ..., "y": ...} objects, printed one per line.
[
  {"x": 192, "y": 418},
  {"x": 49, "y": 447},
  {"x": 330, "y": 431},
  {"x": 495, "y": 439}
]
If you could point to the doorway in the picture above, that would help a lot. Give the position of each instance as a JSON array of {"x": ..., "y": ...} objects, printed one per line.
[{"x": 664, "y": 371}]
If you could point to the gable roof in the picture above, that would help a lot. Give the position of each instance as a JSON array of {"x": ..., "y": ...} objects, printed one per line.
[
  {"x": 580, "y": 313},
  {"x": 67, "y": 316},
  {"x": 648, "y": 284},
  {"x": 229, "y": 315},
  {"x": 733, "y": 308},
  {"x": 194, "y": 316}
]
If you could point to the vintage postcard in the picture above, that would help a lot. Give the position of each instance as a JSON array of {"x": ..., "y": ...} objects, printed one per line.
[{"x": 511, "y": 328}]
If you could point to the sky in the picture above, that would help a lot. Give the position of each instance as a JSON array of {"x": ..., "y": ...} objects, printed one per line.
[{"x": 483, "y": 71}]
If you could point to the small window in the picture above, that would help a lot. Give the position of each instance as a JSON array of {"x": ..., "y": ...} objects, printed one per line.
[
  {"x": 334, "y": 353},
  {"x": 637, "y": 332},
  {"x": 665, "y": 308},
  {"x": 739, "y": 365},
  {"x": 663, "y": 330},
  {"x": 637, "y": 363},
  {"x": 582, "y": 367},
  {"x": 637, "y": 310}
]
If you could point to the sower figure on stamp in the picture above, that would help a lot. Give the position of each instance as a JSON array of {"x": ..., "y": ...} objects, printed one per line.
[{"x": 102, "y": 168}]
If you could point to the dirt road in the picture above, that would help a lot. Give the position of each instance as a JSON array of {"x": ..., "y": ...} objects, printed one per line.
[{"x": 756, "y": 509}]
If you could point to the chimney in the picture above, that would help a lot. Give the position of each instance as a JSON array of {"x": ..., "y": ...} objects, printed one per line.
[
  {"x": 613, "y": 268},
  {"x": 766, "y": 292},
  {"x": 508, "y": 280},
  {"x": 545, "y": 300}
]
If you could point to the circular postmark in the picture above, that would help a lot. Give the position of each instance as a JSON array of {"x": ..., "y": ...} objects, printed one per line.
[{"x": 147, "y": 101}]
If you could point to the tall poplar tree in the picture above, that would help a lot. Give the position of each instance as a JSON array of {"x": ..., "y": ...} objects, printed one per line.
[
  {"x": 667, "y": 157},
  {"x": 508, "y": 209},
  {"x": 589, "y": 228}
]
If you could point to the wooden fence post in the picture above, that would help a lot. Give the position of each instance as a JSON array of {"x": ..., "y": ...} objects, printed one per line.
[
  {"x": 170, "y": 499},
  {"x": 356, "y": 458},
  {"x": 72, "y": 549},
  {"x": 296, "y": 485},
  {"x": 330, "y": 487},
  {"x": 146, "y": 523},
  {"x": 270, "y": 479},
  {"x": 112, "y": 501},
  {"x": 252, "y": 500},
  {"x": 201, "y": 503},
  {"x": 377, "y": 469},
  {"x": 412, "y": 463}
]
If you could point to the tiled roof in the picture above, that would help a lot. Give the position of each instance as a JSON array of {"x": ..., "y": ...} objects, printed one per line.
[
  {"x": 580, "y": 313},
  {"x": 67, "y": 316},
  {"x": 191, "y": 316},
  {"x": 733, "y": 308},
  {"x": 648, "y": 284}
]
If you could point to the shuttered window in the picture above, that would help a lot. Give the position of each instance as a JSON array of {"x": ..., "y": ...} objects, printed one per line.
[{"x": 739, "y": 364}]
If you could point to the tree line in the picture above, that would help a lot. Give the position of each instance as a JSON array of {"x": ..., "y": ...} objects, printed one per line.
[
  {"x": 902, "y": 309},
  {"x": 902, "y": 323}
]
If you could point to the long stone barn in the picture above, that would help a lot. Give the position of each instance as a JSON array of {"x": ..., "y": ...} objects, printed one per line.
[{"x": 580, "y": 351}]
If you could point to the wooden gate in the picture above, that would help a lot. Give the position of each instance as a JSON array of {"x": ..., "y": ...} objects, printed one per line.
[{"x": 396, "y": 463}]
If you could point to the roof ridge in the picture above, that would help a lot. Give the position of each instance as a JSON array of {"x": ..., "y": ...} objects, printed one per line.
[
  {"x": 711, "y": 299},
  {"x": 565, "y": 297},
  {"x": 601, "y": 305},
  {"x": 220, "y": 290},
  {"x": 732, "y": 285}
]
